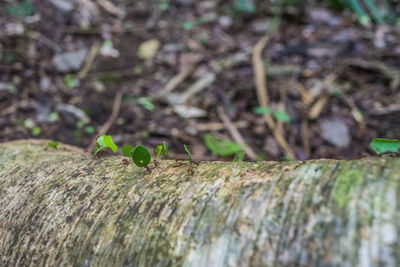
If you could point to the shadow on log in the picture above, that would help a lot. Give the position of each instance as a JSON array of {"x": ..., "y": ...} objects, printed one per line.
[{"x": 62, "y": 207}]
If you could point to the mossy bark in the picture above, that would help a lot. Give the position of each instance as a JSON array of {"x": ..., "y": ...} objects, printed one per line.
[{"x": 62, "y": 207}]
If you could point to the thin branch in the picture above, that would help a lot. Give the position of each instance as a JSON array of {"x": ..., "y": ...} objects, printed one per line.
[{"x": 262, "y": 94}]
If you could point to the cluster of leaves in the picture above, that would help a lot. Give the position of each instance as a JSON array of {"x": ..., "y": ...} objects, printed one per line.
[{"x": 139, "y": 154}]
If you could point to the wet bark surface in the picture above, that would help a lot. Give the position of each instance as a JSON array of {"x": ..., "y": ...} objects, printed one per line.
[{"x": 62, "y": 207}]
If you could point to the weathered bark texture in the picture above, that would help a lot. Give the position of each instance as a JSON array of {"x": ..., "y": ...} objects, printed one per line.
[{"x": 61, "y": 207}]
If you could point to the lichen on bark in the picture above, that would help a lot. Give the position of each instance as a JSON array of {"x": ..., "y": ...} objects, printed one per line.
[{"x": 62, "y": 207}]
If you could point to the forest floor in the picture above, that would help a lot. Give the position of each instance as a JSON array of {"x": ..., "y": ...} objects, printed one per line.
[{"x": 333, "y": 84}]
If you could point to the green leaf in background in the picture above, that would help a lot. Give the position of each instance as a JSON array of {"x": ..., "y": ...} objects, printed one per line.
[
  {"x": 146, "y": 103},
  {"x": 53, "y": 144},
  {"x": 89, "y": 129},
  {"x": 262, "y": 110},
  {"x": 239, "y": 156},
  {"x": 36, "y": 131},
  {"x": 141, "y": 156},
  {"x": 188, "y": 25},
  {"x": 188, "y": 152},
  {"x": 381, "y": 145},
  {"x": 163, "y": 5},
  {"x": 24, "y": 9},
  {"x": 105, "y": 141},
  {"x": 219, "y": 147},
  {"x": 70, "y": 81},
  {"x": 127, "y": 150},
  {"x": 282, "y": 116},
  {"x": 245, "y": 6}
]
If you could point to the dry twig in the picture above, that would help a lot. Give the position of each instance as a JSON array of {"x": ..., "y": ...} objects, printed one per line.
[
  {"x": 262, "y": 94},
  {"x": 89, "y": 61},
  {"x": 318, "y": 106},
  {"x": 175, "y": 81}
]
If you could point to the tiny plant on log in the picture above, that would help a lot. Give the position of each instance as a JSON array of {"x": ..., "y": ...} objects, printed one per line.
[
  {"x": 141, "y": 157},
  {"x": 103, "y": 142},
  {"x": 161, "y": 149},
  {"x": 188, "y": 152},
  {"x": 53, "y": 144},
  {"x": 239, "y": 156}
]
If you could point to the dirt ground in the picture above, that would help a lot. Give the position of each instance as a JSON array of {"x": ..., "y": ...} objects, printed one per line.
[{"x": 63, "y": 65}]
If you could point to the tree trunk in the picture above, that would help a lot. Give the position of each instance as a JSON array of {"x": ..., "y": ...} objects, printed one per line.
[{"x": 62, "y": 207}]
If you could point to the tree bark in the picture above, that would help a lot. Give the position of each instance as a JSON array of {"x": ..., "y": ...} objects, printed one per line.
[{"x": 63, "y": 207}]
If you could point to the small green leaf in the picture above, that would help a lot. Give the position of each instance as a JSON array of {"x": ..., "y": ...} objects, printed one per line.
[
  {"x": 89, "y": 129},
  {"x": 141, "y": 156},
  {"x": 164, "y": 151},
  {"x": 53, "y": 144},
  {"x": 287, "y": 158},
  {"x": 54, "y": 116},
  {"x": 127, "y": 150},
  {"x": 158, "y": 151},
  {"x": 146, "y": 103},
  {"x": 161, "y": 149},
  {"x": 245, "y": 6},
  {"x": 138, "y": 69},
  {"x": 24, "y": 9},
  {"x": 70, "y": 81},
  {"x": 262, "y": 110},
  {"x": 239, "y": 156},
  {"x": 188, "y": 25},
  {"x": 188, "y": 152},
  {"x": 221, "y": 147},
  {"x": 36, "y": 131},
  {"x": 80, "y": 124},
  {"x": 282, "y": 116},
  {"x": 381, "y": 145},
  {"x": 163, "y": 5},
  {"x": 105, "y": 141}
]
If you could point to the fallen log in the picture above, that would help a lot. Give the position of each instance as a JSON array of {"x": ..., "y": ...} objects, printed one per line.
[{"x": 63, "y": 207}]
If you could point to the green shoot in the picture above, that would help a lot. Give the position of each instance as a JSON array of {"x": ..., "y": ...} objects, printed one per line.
[
  {"x": 36, "y": 131},
  {"x": 282, "y": 116},
  {"x": 279, "y": 115},
  {"x": 161, "y": 149},
  {"x": 245, "y": 6},
  {"x": 146, "y": 103},
  {"x": 158, "y": 151},
  {"x": 381, "y": 145},
  {"x": 141, "y": 156},
  {"x": 165, "y": 151},
  {"x": 262, "y": 110},
  {"x": 188, "y": 25},
  {"x": 24, "y": 9},
  {"x": 103, "y": 142},
  {"x": 188, "y": 152},
  {"x": 127, "y": 150},
  {"x": 53, "y": 144},
  {"x": 219, "y": 147},
  {"x": 363, "y": 18},
  {"x": 239, "y": 156}
]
